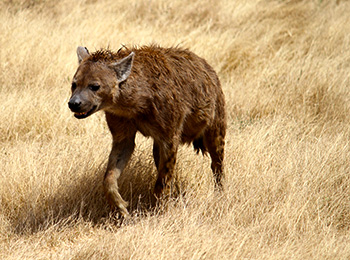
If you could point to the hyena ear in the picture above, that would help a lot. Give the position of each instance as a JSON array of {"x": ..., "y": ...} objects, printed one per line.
[
  {"x": 82, "y": 53},
  {"x": 123, "y": 67}
]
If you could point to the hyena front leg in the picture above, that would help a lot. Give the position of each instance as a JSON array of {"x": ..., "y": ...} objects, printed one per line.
[
  {"x": 118, "y": 158},
  {"x": 165, "y": 159}
]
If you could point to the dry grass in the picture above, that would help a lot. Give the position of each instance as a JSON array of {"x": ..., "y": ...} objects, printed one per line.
[{"x": 285, "y": 71}]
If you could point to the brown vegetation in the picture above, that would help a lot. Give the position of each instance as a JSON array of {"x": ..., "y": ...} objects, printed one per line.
[{"x": 284, "y": 67}]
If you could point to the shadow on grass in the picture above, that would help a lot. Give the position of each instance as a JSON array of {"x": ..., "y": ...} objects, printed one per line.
[{"x": 83, "y": 199}]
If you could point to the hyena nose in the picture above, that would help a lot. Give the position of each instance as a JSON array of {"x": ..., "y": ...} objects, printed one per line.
[{"x": 74, "y": 104}]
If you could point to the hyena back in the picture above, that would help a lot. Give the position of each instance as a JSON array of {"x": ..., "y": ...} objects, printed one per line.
[{"x": 169, "y": 94}]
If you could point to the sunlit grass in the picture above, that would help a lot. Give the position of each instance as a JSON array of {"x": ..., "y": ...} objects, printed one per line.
[{"x": 284, "y": 68}]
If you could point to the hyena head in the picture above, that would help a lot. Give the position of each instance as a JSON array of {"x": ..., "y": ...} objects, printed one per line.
[{"x": 95, "y": 81}]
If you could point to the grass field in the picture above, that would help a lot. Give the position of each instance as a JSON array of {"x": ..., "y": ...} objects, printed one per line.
[{"x": 285, "y": 71}]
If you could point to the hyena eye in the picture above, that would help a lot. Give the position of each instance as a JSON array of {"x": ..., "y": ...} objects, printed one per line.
[
  {"x": 94, "y": 87},
  {"x": 74, "y": 86}
]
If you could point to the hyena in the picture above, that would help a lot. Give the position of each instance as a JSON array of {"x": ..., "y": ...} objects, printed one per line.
[{"x": 169, "y": 94}]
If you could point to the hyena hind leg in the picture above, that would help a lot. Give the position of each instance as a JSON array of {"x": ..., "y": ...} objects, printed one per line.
[{"x": 214, "y": 141}]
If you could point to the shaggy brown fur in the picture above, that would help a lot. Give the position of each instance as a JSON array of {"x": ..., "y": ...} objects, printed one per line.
[{"x": 169, "y": 94}]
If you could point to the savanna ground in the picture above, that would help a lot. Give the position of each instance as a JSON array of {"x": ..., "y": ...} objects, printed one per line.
[{"x": 285, "y": 72}]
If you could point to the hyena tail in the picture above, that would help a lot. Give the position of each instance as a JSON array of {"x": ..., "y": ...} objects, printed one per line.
[{"x": 198, "y": 145}]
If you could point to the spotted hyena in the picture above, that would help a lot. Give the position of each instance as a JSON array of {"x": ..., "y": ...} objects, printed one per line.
[{"x": 169, "y": 94}]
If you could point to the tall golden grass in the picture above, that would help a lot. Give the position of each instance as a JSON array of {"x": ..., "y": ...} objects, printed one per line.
[{"x": 285, "y": 71}]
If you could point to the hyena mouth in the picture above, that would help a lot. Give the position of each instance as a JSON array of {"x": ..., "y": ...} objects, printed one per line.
[{"x": 81, "y": 115}]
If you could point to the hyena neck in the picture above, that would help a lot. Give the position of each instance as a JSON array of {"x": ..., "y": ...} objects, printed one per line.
[
  {"x": 118, "y": 110},
  {"x": 131, "y": 101}
]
